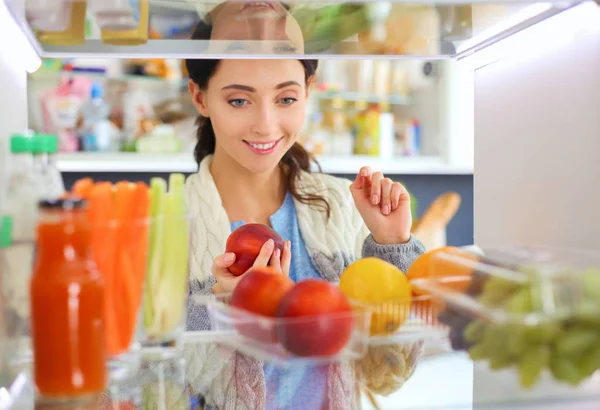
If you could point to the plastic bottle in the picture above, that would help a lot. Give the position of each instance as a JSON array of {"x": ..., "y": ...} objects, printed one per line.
[
  {"x": 67, "y": 307},
  {"x": 21, "y": 208},
  {"x": 46, "y": 173},
  {"x": 386, "y": 132},
  {"x": 97, "y": 129}
]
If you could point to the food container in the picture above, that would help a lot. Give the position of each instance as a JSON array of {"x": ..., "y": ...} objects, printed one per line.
[
  {"x": 530, "y": 312},
  {"x": 413, "y": 320},
  {"x": 271, "y": 339}
]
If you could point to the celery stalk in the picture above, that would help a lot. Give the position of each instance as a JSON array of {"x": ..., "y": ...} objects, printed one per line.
[
  {"x": 158, "y": 187},
  {"x": 168, "y": 300}
]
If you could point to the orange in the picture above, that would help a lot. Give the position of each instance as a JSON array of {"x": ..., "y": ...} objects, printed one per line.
[{"x": 451, "y": 266}]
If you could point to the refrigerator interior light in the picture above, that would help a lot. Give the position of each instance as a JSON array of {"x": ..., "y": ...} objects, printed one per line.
[
  {"x": 545, "y": 36},
  {"x": 15, "y": 46}
]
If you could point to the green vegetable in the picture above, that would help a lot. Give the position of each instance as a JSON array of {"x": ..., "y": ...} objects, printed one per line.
[{"x": 168, "y": 275}]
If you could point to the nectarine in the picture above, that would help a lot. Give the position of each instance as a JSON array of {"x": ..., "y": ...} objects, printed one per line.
[
  {"x": 315, "y": 319},
  {"x": 259, "y": 291},
  {"x": 245, "y": 242}
]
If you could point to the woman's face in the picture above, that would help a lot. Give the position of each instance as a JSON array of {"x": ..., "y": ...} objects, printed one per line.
[{"x": 257, "y": 108}]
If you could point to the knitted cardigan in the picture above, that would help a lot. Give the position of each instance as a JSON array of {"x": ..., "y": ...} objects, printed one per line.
[{"x": 231, "y": 380}]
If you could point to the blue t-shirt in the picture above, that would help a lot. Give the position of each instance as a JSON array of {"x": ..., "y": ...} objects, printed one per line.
[{"x": 300, "y": 385}]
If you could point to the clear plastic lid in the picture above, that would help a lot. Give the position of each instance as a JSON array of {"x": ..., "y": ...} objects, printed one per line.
[{"x": 523, "y": 284}]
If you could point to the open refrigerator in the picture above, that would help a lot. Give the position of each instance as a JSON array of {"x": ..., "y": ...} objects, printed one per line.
[{"x": 533, "y": 71}]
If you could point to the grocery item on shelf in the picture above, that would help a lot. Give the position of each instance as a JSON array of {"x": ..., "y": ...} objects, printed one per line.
[
  {"x": 119, "y": 245},
  {"x": 67, "y": 306},
  {"x": 122, "y": 23},
  {"x": 314, "y": 322},
  {"x": 409, "y": 29},
  {"x": 383, "y": 288},
  {"x": 260, "y": 291},
  {"x": 165, "y": 290},
  {"x": 367, "y": 132},
  {"x": 161, "y": 140},
  {"x": 96, "y": 131},
  {"x": 49, "y": 15},
  {"x": 61, "y": 109},
  {"x": 531, "y": 309},
  {"x": 324, "y": 26},
  {"x": 140, "y": 245},
  {"x": 71, "y": 12},
  {"x": 430, "y": 227}
]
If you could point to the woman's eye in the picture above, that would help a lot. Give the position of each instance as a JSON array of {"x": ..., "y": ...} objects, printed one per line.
[
  {"x": 239, "y": 102},
  {"x": 288, "y": 101}
]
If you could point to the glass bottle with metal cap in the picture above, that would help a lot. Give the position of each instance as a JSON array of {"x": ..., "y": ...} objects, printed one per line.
[{"x": 67, "y": 307}]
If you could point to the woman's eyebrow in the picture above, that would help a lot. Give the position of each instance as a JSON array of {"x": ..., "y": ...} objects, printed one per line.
[
  {"x": 239, "y": 87},
  {"x": 252, "y": 90},
  {"x": 286, "y": 84}
]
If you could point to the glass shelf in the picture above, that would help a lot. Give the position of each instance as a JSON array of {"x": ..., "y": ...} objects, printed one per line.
[{"x": 310, "y": 29}]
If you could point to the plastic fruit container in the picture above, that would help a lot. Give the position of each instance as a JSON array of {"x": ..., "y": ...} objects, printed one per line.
[
  {"x": 405, "y": 321},
  {"x": 343, "y": 336},
  {"x": 533, "y": 310}
]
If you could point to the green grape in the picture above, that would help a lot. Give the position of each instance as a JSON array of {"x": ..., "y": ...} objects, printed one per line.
[
  {"x": 591, "y": 283},
  {"x": 589, "y": 363},
  {"x": 520, "y": 302},
  {"x": 543, "y": 332},
  {"x": 532, "y": 362},
  {"x": 500, "y": 360},
  {"x": 496, "y": 291},
  {"x": 588, "y": 315},
  {"x": 478, "y": 352},
  {"x": 576, "y": 340},
  {"x": 517, "y": 342},
  {"x": 566, "y": 370},
  {"x": 494, "y": 338},
  {"x": 474, "y": 331}
]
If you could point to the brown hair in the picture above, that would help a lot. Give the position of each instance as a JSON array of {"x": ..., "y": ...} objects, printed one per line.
[{"x": 294, "y": 162}]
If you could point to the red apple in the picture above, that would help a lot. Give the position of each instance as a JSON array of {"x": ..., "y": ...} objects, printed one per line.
[
  {"x": 259, "y": 291},
  {"x": 318, "y": 319},
  {"x": 245, "y": 242}
]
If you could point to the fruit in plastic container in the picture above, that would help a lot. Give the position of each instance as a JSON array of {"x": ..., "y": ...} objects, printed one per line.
[
  {"x": 245, "y": 242},
  {"x": 565, "y": 344},
  {"x": 315, "y": 319},
  {"x": 383, "y": 288},
  {"x": 455, "y": 274},
  {"x": 260, "y": 291}
]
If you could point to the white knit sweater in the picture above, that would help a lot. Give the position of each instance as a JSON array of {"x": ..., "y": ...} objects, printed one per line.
[{"x": 234, "y": 381}]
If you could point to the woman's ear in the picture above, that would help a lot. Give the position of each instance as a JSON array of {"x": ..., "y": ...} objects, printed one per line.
[{"x": 198, "y": 98}]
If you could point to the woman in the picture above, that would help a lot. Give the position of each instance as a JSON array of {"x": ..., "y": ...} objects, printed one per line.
[{"x": 251, "y": 169}]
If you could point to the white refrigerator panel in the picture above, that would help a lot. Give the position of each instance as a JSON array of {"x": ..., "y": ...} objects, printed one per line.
[
  {"x": 537, "y": 139},
  {"x": 15, "y": 57}
]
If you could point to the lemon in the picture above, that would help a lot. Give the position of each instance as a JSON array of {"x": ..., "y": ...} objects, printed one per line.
[{"x": 383, "y": 288}]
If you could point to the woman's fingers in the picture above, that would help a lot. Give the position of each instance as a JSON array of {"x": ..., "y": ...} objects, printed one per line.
[
  {"x": 275, "y": 262},
  {"x": 376, "y": 188},
  {"x": 265, "y": 253},
  {"x": 286, "y": 258}
]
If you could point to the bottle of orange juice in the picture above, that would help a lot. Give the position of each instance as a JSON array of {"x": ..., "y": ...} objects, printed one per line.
[{"x": 67, "y": 306}]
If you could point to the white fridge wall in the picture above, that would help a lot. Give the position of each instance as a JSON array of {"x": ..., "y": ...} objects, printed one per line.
[
  {"x": 537, "y": 144},
  {"x": 13, "y": 95}
]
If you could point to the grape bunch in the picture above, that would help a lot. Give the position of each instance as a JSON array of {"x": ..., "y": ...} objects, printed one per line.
[
  {"x": 566, "y": 343},
  {"x": 458, "y": 319}
]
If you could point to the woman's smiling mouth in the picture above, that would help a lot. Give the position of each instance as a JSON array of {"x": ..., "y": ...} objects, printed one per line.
[{"x": 263, "y": 147}]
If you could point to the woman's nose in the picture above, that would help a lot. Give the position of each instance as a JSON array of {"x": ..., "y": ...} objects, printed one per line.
[{"x": 265, "y": 123}]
